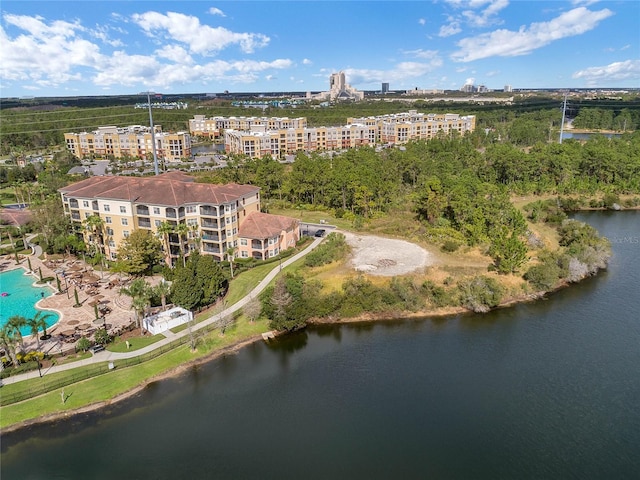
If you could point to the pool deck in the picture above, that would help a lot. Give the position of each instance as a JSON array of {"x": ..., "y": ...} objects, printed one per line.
[{"x": 72, "y": 319}]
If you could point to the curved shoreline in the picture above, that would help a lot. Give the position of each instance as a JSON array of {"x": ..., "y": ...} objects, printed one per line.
[
  {"x": 173, "y": 372},
  {"x": 236, "y": 347}
]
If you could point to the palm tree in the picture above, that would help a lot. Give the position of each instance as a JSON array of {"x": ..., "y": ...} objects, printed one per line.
[
  {"x": 182, "y": 230},
  {"x": 95, "y": 225},
  {"x": 13, "y": 325},
  {"x": 41, "y": 318},
  {"x": 163, "y": 230},
  {"x": 162, "y": 290},
  {"x": 7, "y": 340},
  {"x": 230, "y": 252},
  {"x": 140, "y": 292}
]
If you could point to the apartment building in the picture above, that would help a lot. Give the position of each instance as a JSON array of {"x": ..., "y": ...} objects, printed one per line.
[
  {"x": 216, "y": 216},
  {"x": 278, "y": 143},
  {"x": 134, "y": 141},
  {"x": 214, "y": 127},
  {"x": 399, "y": 128}
]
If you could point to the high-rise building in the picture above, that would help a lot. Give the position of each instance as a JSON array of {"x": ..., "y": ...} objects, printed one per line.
[{"x": 385, "y": 88}]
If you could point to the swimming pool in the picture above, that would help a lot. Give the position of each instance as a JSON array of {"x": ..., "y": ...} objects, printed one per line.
[{"x": 21, "y": 298}]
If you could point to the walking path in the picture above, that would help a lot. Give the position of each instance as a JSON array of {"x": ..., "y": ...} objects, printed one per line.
[{"x": 107, "y": 356}]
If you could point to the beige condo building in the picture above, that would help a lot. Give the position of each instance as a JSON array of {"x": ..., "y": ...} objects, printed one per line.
[
  {"x": 218, "y": 217},
  {"x": 214, "y": 127},
  {"x": 134, "y": 141}
]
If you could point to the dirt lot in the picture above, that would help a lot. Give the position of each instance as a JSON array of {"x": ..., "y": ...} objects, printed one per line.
[{"x": 385, "y": 256}]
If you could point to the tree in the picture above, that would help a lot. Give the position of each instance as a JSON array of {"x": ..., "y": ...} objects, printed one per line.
[
  {"x": 252, "y": 309},
  {"x": 94, "y": 224},
  {"x": 139, "y": 252},
  {"x": 186, "y": 290},
  {"x": 13, "y": 325},
  {"x": 230, "y": 252},
  {"x": 140, "y": 293},
  {"x": 39, "y": 321},
  {"x": 83, "y": 344},
  {"x": 182, "y": 229},
  {"x": 8, "y": 340},
  {"x": 163, "y": 230},
  {"x": 162, "y": 290},
  {"x": 102, "y": 336}
]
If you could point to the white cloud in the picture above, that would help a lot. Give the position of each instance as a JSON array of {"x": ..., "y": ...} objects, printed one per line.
[
  {"x": 584, "y": 3},
  {"x": 201, "y": 39},
  {"x": 175, "y": 53},
  {"x": 420, "y": 53},
  {"x": 306, "y": 61},
  {"x": 627, "y": 46},
  {"x": 101, "y": 32},
  {"x": 451, "y": 29},
  {"x": 492, "y": 73},
  {"x": 422, "y": 21},
  {"x": 507, "y": 43},
  {"x": 216, "y": 11},
  {"x": 46, "y": 54},
  {"x": 602, "y": 76},
  {"x": 400, "y": 73},
  {"x": 470, "y": 81}
]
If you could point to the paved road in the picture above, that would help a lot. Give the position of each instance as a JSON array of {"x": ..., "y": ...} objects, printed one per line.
[{"x": 106, "y": 356}]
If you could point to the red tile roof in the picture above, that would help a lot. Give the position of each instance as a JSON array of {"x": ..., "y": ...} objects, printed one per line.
[
  {"x": 260, "y": 225},
  {"x": 167, "y": 189},
  {"x": 15, "y": 217}
]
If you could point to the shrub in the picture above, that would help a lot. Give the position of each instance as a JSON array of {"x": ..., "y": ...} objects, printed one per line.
[
  {"x": 450, "y": 246},
  {"x": 332, "y": 249},
  {"x": 545, "y": 275},
  {"x": 479, "y": 294},
  {"x": 435, "y": 295}
]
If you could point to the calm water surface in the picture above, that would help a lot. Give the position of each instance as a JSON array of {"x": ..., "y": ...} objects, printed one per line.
[{"x": 545, "y": 390}]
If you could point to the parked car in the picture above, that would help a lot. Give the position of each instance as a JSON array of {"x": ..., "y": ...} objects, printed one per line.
[{"x": 321, "y": 232}]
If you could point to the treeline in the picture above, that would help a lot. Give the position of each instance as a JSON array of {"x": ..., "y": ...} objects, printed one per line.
[{"x": 608, "y": 119}]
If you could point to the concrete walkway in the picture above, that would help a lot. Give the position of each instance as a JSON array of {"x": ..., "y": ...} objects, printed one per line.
[{"x": 106, "y": 356}]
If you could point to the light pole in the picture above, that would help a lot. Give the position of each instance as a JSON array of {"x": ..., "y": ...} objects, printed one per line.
[{"x": 153, "y": 135}]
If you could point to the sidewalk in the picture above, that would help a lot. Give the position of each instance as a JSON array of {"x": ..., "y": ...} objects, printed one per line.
[{"x": 106, "y": 356}]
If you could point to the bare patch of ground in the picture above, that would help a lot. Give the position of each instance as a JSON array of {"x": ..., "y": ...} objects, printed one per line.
[{"x": 386, "y": 256}]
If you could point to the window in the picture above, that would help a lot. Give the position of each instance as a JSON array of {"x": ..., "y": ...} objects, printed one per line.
[
  {"x": 107, "y": 208},
  {"x": 192, "y": 221},
  {"x": 190, "y": 209},
  {"x": 87, "y": 215},
  {"x": 123, "y": 209},
  {"x": 109, "y": 231},
  {"x": 244, "y": 254},
  {"x": 156, "y": 210},
  {"x": 227, "y": 208},
  {"x": 114, "y": 256},
  {"x": 112, "y": 244},
  {"x": 107, "y": 219},
  {"x": 125, "y": 233},
  {"x": 243, "y": 241},
  {"x": 125, "y": 221},
  {"x": 85, "y": 203},
  {"x": 158, "y": 223},
  {"x": 235, "y": 230}
]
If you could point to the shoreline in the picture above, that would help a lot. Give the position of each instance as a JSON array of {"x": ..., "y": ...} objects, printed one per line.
[
  {"x": 236, "y": 347},
  {"x": 173, "y": 372}
]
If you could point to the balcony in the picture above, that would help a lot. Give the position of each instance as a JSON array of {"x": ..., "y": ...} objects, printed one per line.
[
  {"x": 209, "y": 224},
  {"x": 73, "y": 203},
  {"x": 213, "y": 238},
  {"x": 209, "y": 211},
  {"x": 174, "y": 238},
  {"x": 75, "y": 215},
  {"x": 210, "y": 248},
  {"x": 142, "y": 210},
  {"x": 144, "y": 223},
  {"x": 171, "y": 213},
  {"x": 257, "y": 245},
  {"x": 94, "y": 206}
]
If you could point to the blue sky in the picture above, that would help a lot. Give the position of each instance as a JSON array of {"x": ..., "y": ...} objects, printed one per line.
[{"x": 120, "y": 47}]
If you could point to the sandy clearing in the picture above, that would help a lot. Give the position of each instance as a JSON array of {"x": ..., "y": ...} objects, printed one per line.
[{"x": 386, "y": 256}]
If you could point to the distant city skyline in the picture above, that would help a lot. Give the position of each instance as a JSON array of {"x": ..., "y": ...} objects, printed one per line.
[{"x": 68, "y": 48}]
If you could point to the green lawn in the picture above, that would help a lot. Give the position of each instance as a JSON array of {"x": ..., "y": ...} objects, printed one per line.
[
  {"x": 134, "y": 343},
  {"x": 118, "y": 381}
]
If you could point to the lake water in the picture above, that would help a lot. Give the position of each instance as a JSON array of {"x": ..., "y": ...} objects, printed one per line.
[
  {"x": 587, "y": 136},
  {"x": 543, "y": 390}
]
